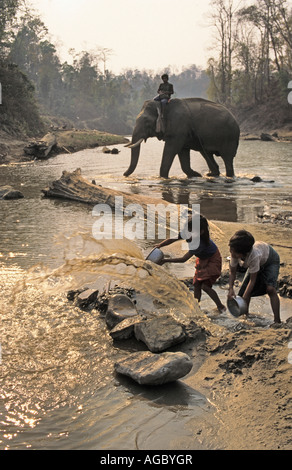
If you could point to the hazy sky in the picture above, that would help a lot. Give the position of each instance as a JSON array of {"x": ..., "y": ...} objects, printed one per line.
[{"x": 143, "y": 34}]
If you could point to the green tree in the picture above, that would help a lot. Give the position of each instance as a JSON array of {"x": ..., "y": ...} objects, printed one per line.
[
  {"x": 254, "y": 57},
  {"x": 8, "y": 9}
]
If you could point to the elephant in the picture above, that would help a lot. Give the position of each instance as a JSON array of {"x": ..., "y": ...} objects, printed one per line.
[{"x": 189, "y": 123}]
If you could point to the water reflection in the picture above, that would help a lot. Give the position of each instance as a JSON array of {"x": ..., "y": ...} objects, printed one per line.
[
  {"x": 179, "y": 394},
  {"x": 213, "y": 206}
]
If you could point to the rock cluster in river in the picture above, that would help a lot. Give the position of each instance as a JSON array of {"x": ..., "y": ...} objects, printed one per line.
[
  {"x": 284, "y": 218},
  {"x": 158, "y": 333}
]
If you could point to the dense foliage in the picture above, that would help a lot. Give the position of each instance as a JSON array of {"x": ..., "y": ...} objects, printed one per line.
[
  {"x": 81, "y": 91},
  {"x": 19, "y": 113},
  {"x": 254, "y": 59},
  {"x": 84, "y": 92}
]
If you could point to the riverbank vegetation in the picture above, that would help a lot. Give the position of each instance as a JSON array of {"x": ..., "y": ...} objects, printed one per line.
[{"x": 252, "y": 67}]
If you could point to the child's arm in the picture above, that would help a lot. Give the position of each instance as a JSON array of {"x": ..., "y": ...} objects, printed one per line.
[
  {"x": 167, "y": 242},
  {"x": 232, "y": 277},
  {"x": 247, "y": 294},
  {"x": 182, "y": 259}
]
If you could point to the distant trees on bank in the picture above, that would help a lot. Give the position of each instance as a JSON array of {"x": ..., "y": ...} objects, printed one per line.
[
  {"x": 252, "y": 61},
  {"x": 254, "y": 50},
  {"x": 83, "y": 92}
]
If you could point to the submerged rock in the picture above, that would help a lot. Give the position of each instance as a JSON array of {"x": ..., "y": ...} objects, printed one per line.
[
  {"x": 7, "y": 192},
  {"x": 160, "y": 333},
  {"x": 113, "y": 151},
  {"x": 155, "y": 369}
]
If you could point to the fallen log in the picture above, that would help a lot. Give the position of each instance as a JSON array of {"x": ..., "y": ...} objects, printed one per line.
[
  {"x": 74, "y": 187},
  {"x": 42, "y": 148}
]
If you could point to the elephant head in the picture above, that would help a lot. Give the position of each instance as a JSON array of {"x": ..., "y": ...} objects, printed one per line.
[{"x": 145, "y": 127}]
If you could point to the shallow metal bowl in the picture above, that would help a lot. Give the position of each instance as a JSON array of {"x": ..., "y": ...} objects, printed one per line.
[
  {"x": 156, "y": 256},
  {"x": 237, "y": 306}
]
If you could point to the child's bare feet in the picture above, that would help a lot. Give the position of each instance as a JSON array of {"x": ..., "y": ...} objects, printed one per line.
[{"x": 222, "y": 308}]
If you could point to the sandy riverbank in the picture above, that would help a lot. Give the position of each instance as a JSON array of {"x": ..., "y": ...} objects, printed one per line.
[
  {"x": 68, "y": 141},
  {"x": 74, "y": 140}
]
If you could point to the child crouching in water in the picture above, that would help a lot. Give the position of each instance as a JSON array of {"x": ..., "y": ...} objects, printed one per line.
[
  {"x": 208, "y": 264},
  {"x": 263, "y": 265}
]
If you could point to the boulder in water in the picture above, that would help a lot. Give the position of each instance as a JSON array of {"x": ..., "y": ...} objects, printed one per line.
[
  {"x": 160, "y": 333},
  {"x": 155, "y": 369},
  {"x": 7, "y": 192},
  {"x": 120, "y": 307}
]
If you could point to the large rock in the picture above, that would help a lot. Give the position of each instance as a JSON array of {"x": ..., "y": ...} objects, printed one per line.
[
  {"x": 120, "y": 307},
  {"x": 155, "y": 369},
  {"x": 160, "y": 333}
]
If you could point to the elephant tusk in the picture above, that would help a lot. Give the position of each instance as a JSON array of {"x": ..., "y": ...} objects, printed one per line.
[{"x": 132, "y": 146}]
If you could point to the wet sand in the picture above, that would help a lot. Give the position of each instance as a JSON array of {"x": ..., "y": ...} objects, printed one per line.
[{"x": 246, "y": 374}]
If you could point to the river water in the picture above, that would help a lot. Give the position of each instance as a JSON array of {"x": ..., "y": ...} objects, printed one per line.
[{"x": 58, "y": 388}]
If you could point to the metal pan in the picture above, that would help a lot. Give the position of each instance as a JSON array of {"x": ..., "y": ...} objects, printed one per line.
[
  {"x": 237, "y": 306},
  {"x": 156, "y": 256}
]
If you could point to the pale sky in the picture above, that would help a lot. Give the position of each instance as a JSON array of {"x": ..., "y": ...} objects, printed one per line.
[{"x": 143, "y": 34}]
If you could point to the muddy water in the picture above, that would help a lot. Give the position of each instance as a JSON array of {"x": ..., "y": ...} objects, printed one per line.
[{"x": 57, "y": 386}]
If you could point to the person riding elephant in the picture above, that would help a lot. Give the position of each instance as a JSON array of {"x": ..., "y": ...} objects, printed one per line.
[
  {"x": 192, "y": 124},
  {"x": 164, "y": 91}
]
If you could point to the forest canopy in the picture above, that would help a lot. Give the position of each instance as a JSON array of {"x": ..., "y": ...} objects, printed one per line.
[{"x": 252, "y": 61}]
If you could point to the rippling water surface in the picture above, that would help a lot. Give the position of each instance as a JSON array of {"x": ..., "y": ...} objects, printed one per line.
[{"x": 57, "y": 386}]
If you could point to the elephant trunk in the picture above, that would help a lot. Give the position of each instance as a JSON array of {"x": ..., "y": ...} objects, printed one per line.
[{"x": 135, "y": 152}]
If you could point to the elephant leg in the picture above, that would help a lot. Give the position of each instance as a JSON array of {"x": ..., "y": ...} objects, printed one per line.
[
  {"x": 185, "y": 163},
  {"x": 213, "y": 166},
  {"x": 229, "y": 166},
  {"x": 169, "y": 152}
]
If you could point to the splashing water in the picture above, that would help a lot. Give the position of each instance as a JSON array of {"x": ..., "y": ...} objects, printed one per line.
[
  {"x": 51, "y": 350},
  {"x": 121, "y": 261}
]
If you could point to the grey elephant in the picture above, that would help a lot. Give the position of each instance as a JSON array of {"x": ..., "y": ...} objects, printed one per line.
[{"x": 191, "y": 123}]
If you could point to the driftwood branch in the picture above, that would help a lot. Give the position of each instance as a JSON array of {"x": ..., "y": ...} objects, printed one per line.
[
  {"x": 42, "y": 148},
  {"x": 74, "y": 187}
]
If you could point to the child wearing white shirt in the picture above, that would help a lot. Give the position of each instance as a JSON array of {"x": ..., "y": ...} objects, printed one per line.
[{"x": 262, "y": 263}]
